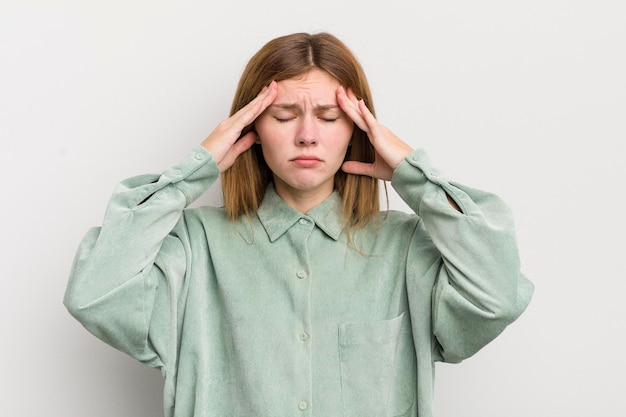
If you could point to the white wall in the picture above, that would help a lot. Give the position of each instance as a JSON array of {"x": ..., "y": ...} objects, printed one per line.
[{"x": 525, "y": 98}]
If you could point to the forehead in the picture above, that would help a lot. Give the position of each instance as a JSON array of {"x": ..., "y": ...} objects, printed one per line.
[{"x": 315, "y": 83}]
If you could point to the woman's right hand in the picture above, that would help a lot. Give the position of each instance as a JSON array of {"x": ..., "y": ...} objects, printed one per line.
[{"x": 222, "y": 143}]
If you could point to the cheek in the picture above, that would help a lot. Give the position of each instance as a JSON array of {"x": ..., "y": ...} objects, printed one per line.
[
  {"x": 260, "y": 126},
  {"x": 343, "y": 133},
  {"x": 269, "y": 131}
]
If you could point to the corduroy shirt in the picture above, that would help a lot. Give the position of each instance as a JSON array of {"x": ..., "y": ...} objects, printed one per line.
[{"x": 277, "y": 315}]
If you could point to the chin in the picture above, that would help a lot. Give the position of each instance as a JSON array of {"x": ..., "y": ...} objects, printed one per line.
[{"x": 306, "y": 185}]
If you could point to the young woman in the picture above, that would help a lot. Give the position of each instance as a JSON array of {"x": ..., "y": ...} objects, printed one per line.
[{"x": 299, "y": 297}]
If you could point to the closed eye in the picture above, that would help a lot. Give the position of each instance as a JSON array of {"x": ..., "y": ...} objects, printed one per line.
[{"x": 286, "y": 119}]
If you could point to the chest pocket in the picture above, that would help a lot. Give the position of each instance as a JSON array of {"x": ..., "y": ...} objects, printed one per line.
[{"x": 377, "y": 368}]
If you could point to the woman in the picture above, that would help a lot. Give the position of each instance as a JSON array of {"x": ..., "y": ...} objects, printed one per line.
[{"x": 299, "y": 296}]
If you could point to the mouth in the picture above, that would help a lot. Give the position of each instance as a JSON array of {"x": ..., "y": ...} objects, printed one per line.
[{"x": 306, "y": 160}]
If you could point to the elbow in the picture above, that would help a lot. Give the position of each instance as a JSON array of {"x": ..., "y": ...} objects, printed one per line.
[
  {"x": 507, "y": 307},
  {"x": 76, "y": 307},
  {"x": 80, "y": 295},
  {"x": 503, "y": 311},
  {"x": 512, "y": 306},
  {"x": 521, "y": 299}
]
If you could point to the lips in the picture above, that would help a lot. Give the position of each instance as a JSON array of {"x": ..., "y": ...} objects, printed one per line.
[{"x": 306, "y": 160}]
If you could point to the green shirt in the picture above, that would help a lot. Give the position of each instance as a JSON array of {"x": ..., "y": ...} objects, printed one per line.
[{"x": 276, "y": 315}]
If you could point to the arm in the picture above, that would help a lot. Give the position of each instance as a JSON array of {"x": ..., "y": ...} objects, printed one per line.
[
  {"x": 120, "y": 267},
  {"x": 139, "y": 255},
  {"x": 478, "y": 289}
]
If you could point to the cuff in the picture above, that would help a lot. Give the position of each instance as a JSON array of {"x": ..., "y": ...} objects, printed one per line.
[
  {"x": 193, "y": 174},
  {"x": 415, "y": 177}
]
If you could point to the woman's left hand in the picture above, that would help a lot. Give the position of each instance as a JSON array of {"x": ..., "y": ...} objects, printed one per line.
[{"x": 390, "y": 150}]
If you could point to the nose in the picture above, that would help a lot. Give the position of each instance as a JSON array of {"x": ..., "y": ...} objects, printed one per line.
[{"x": 307, "y": 132}]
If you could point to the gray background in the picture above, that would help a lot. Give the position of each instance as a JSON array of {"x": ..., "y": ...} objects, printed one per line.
[{"x": 524, "y": 98}]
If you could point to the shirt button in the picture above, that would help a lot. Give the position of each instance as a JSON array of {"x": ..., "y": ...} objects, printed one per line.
[
  {"x": 303, "y": 222},
  {"x": 303, "y": 405},
  {"x": 199, "y": 156},
  {"x": 301, "y": 274},
  {"x": 304, "y": 336}
]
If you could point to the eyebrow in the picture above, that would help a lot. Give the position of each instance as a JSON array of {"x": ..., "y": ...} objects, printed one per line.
[{"x": 294, "y": 106}]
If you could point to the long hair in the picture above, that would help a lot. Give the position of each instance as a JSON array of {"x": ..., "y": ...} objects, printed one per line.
[{"x": 286, "y": 57}]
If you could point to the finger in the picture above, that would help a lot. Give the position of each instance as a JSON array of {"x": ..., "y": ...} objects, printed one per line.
[
  {"x": 244, "y": 143},
  {"x": 353, "y": 101},
  {"x": 350, "y": 107},
  {"x": 367, "y": 115},
  {"x": 358, "y": 168},
  {"x": 256, "y": 106},
  {"x": 352, "y": 96},
  {"x": 265, "y": 98},
  {"x": 369, "y": 120},
  {"x": 374, "y": 129}
]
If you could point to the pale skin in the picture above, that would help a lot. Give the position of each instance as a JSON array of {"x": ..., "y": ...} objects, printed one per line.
[{"x": 304, "y": 127}]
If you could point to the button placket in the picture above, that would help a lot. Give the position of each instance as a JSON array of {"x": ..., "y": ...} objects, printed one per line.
[{"x": 300, "y": 234}]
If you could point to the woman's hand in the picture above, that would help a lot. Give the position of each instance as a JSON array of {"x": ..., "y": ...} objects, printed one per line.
[
  {"x": 390, "y": 150},
  {"x": 222, "y": 143}
]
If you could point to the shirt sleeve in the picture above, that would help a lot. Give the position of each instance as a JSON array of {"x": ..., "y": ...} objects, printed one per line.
[
  {"x": 133, "y": 262},
  {"x": 479, "y": 288}
]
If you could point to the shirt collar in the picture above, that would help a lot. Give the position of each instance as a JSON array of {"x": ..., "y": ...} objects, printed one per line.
[{"x": 277, "y": 216}]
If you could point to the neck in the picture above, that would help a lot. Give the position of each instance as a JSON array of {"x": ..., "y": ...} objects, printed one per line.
[{"x": 302, "y": 201}]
